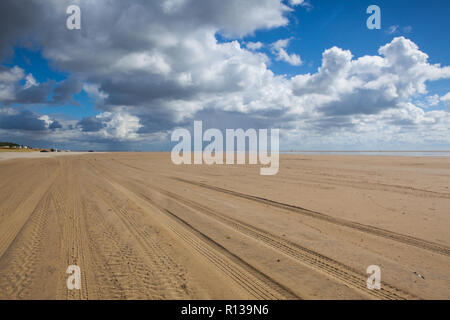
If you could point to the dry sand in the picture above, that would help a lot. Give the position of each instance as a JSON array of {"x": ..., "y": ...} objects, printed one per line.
[{"x": 140, "y": 227}]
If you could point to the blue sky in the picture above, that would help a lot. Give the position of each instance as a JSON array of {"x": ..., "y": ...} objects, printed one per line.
[
  {"x": 32, "y": 62},
  {"x": 129, "y": 84},
  {"x": 343, "y": 23}
]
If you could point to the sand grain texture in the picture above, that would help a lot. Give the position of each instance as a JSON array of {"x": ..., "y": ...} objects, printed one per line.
[{"x": 140, "y": 227}]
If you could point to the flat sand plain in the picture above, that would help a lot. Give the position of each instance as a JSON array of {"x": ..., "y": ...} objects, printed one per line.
[
  {"x": 7, "y": 155},
  {"x": 140, "y": 227}
]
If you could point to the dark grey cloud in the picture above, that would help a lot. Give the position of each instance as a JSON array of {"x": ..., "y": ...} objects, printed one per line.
[
  {"x": 24, "y": 120},
  {"x": 12, "y": 91},
  {"x": 65, "y": 90},
  {"x": 138, "y": 91},
  {"x": 359, "y": 102},
  {"x": 55, "y": 125},
  {"x": 90, "y": 124},
  {"x": 33, "y": 95},
  {"x": 18, "y": 23},
  {"x": 329, "y": 124}
]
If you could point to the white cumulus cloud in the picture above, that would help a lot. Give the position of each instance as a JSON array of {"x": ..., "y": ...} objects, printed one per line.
[{"x": 279, "y": 50}]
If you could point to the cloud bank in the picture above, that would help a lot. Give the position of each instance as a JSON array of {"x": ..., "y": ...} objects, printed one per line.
[{"x": 152, "y": 66}]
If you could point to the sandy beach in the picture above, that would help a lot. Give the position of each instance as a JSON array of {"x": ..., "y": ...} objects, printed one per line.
[
  {"x": 140, "y": 227},
  {"x": 35, "y": 154}
]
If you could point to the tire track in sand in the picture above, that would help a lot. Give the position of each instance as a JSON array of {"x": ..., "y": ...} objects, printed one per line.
[
  {"x": 74, "y": 239},
  {"x": 315, "y": 260},
  {"x": 17, "y": 265},
  {"x": 125, "y": 270},
  {"x": 339, "y": 271},
  {"x": 152, "y": 266},
  {"x": 18, "y": 218},
  {"x": 412, "y": 241},
  {"x": 249, "y": 278}
]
